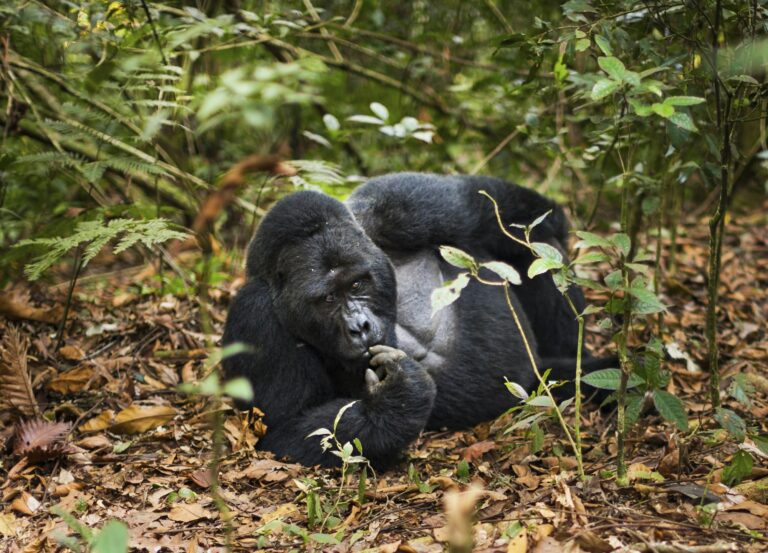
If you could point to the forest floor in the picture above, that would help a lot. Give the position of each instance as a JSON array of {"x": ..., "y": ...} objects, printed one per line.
[{"x": 137, "y": 450}]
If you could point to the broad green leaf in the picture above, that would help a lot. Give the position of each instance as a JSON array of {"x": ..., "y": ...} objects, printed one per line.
[
  {"x": 545, "y": 251},
  {"x": 664, "y": 110},
  {"x": 590, "y": 239},
  {"x": 739, "y": 468},
  {"x": 632, "y": 408},
  {"x": 365, "y": 119},
  {"x": 590, "y": 257},
  {"x": 380, "y": 110},
  {"x": 458, "y": 258},
  {"x": 683, "y": 100},
  {"x": 648, "y": 302},
  {"x": 542, "y": 265},
  {"x": 671, "y": 408},
  {"x": 239, "y": 388},
  {"x": 604, "y": 45},
  {"x": 603, "y": 88},
  {"x": 613, "y": 67},
  {"x": 516, "y": 390},
  {"x": 741, "y": 389},
  {"x": 614, "y": 280},
  {"x": 622, "y": 242},
  {"x": 448, "y": 292},
  {"x": 641, "y": 109},
  {"x": 610, "y": 379},
  {"x": 112, "y": 538},
  {"x": 331, "y": 123},
  {"x": 731, "y": 423},
  {"x": 591, "y": 310},
  {"x": 582, "y": 44},
  {"x": 683, "y": 120},
  {"x": 761, "y": 442},
  {"x": 507, "y": 272}
]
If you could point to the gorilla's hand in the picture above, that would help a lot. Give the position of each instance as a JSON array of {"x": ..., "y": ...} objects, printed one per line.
[{"x": 385, "y": 366}]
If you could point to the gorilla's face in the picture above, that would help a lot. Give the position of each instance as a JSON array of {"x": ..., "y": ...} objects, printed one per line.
[{"x": 337, "y": 292}]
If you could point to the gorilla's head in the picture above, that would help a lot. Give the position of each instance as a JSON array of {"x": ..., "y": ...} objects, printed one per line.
[{"x": 331, "y": 286}]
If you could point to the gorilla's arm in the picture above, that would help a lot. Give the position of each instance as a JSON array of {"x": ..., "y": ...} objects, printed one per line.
[
  {"x": 384, "y": 421},
  {"x": 413, "y": 211},
  {"x": 294, "y": 390}
]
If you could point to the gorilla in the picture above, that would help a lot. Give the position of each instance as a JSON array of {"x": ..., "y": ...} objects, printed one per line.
[{"x": 336, "y": 308}]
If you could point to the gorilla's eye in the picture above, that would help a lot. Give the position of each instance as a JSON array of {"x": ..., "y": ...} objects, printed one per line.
[
  {"x": 356, "y": 285},
  {"x": 330, "y": 298}
]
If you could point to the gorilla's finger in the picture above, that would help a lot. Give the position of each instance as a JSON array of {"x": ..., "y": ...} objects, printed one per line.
[
  {"x": 371, "y": 379},
  {"x": 379, "y": 349}
]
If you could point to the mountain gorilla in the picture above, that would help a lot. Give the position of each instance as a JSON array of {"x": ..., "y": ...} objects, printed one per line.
[{"x": 336, "y": 308}]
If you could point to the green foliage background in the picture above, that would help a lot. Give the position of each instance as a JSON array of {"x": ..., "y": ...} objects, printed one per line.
[{"x": 135, "y": 109}]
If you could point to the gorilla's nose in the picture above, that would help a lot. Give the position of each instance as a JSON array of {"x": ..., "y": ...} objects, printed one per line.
[{"x": 359, "y": 327}]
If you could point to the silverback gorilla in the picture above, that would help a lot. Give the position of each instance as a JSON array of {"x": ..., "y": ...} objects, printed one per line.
[{"x": 336, "y": 308}]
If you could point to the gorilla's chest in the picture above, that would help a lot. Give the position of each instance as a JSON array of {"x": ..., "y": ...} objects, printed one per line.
[{"x": 426, "y": 339}]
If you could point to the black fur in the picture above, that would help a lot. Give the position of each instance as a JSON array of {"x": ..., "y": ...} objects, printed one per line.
[{"x": 327, "y": 281}]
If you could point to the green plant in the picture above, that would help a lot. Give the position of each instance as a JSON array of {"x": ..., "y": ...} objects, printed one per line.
[
  {"x": 111, "y": 538},
  {"x": 91, "y": 236},
  {"x": 349, "y": 462}
]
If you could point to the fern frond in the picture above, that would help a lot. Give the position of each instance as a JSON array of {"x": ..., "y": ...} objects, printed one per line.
[{"x": 94, "y": 235}]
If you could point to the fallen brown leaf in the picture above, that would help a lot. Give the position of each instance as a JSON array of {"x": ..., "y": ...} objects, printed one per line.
[
  {"x": 184, "y": 512},
  {"x": 100, "y": 422},
  {"x": 476, "y": 450},
  {"x": 15, "y": 309},
  {"x": 138, "y": 418},
  {"x": 72, "y": 353},
  {"x": 74, "y": 380},
  {"x": 25, "y": 504}
]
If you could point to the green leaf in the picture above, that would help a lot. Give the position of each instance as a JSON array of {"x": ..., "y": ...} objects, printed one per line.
[
  {"x": 538, "y": 220},
  {"x": 603, "y": 88},
  {"x": 112, "y": 538},
  {"x": 545, "y": 251},
  {"x": 648, "y": 302},
  {"x": 380, "y": 111},
  {"x": 367, "y": 119},
  {"x": 590, "y": 240},
  {"x": 590, "y": 257},
  {"x": 458, "y": 258},
  {"x": 448, "y": 293},
  {"x": 731, "y": 423},
  {"x": 610, "y": 379},
  {"x": 684, "y": 100},
  {"x": 632, "y": 409},
  {"x": 683, "y": 120},
  {"x": 331, "y": 123},
  {"x": 507, "y": 272},
  {"x": 671, "y": 408},
  {"x": 739, "y": 468},
  {"x": 542, "y": 265},
  {"x": 582, "y": 44},
  {"x": 761, "y": 442},
  {"x": 641, "y": 109},
  {"x": 622, "y": 242},
  {"x": 613, "y": 67},
  {"x": 740, "y": 389},
  {"x": 664, "y": 110},
  {"x": 239, "y": 388},
  {"x": 604, "y": 45}
]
